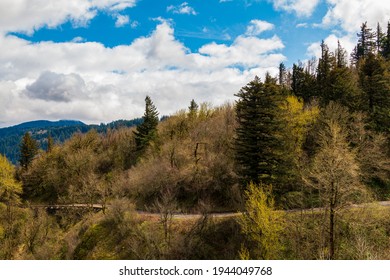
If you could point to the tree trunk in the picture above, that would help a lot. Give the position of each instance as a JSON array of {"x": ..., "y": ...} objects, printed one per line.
[{"x": 331, "y": 232}]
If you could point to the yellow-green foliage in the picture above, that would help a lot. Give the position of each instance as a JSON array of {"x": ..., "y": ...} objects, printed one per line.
[
  {"x": 261, "y": 224},
  {"x": 297, "y": 119},
  {"x": 9, "y": 188}
]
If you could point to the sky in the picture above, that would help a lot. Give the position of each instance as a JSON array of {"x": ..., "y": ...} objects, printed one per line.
[{"x": 96, "y": 60}]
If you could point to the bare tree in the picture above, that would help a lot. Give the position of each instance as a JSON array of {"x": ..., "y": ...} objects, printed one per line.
[{"x": 335, "y": 173}]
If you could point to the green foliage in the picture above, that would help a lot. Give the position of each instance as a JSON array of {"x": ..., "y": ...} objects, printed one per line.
[
  {"x": 10, "y": 189},
  {"x": 293, "y": 134},
  {"x": 147, "y": 130},
  {"x": 193, "y": 109},
  {"x": 303, "y": 83},
  {"x": 375, "y": 82},
  {"x": 257, "y": 143},
  {"x": 28, "y": 150},
  {"x": 261, "y": 224}
]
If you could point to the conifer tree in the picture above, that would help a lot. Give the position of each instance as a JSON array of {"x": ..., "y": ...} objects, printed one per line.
[
  {"x": 325, "y": 66},
  {"x": 380, "y": 37},
  {"x": 366, "y": 43},
  {"x": 282, "y": 74},
  {"x": 50, "y": 143},
  {"x": 257, "y": 143},
  {"x": 375, "y": 82},
  {"x": 303, "y": 82},
  {"x": 386, "y": 44},
  {"x": 193, "y": 109},
  {"x": 147, "y": 130},
  {"x": 28, "y": 150}
]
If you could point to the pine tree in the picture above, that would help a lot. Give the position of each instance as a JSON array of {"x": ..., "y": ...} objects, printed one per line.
[
  {"x": 147, "y": 130},
  {"x": 386, "y": 43},
  {"x": 375, "y": 82},
  {"x": 325, "y": 66},
  {"x": 28, "y": 150},
  {"x": 303, "y": 82},
  {"x": 193, "y": 109},
  {"x": 282, "y": 74},
  {"x": 257, "y": 143},
  {"x": 380, "y": 37},
  {"x": 366, "y": 43},
  {"x": 50, "y": 143}
]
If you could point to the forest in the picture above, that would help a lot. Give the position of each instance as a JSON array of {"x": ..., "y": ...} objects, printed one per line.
[{"x": 297, "y": 168}]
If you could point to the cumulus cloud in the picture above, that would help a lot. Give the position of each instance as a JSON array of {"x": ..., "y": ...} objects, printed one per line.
[
  {"x": 94, "y": 83},
  {"x": 256, "y": 27},
  {"x": 347, "y": 16},
  {"x": 183, "y": 9},
  {"x": 122, "y": 20},
  {"x": 303, "y": 8},
  {"x": 30, "y": 15},
  {"x": 351, "y": 14},
  {"x": 348, "y": 42},
  {"x": 56, "y": 87}
]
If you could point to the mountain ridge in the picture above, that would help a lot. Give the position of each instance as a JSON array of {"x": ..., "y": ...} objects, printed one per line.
[{"x": 60, "y": 131}]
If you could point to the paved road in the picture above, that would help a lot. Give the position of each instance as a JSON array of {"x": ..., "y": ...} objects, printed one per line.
[{"x": 183, "y": 215}]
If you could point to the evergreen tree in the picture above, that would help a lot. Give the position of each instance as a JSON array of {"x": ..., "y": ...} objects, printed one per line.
[
  {"x": 386, "y": 43},
  {"x": 28, "y": 150},
  {"x": 380, "y": 37},
  {"x": 282, "y": 74},
  {"x": 50, "y": 143},
  {"x": 325, "y": 66},
  {"x": 193, "y": 109},
  {"x": 366, "y": 43},
  {"x": 257, "y": 144},
  {"x": 375, "y": 82},
  {"x": 303, "y": 82},
  {"x": 147, "y": 130}
]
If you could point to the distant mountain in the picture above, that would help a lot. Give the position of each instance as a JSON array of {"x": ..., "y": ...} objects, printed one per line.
[
  {"x": 44, "y": 123},
  {"x": 10, "y": 137},
  {"x": 40, "y": 124}
]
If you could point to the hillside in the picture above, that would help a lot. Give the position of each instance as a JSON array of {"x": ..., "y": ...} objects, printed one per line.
[
  {"x": 60, "y": 131},
  {"x": 291, "y": 157}
]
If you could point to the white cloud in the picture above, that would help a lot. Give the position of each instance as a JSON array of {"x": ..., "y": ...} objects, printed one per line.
[
  {"x": 348, "y": 42},
  {"x": 56, "y": 87},
  {"x": 113, "y": 5},
  {"x": 183, "y": 9},
  {"x": 303, "y": 8},
  {"x": 93, "y": 83},
  {"x": 256, "y": 27},
  {"x": 30, "y": 15},
  {"x": 78, "y": 39},
  {"x": 351, "y": 14},
  {"x": 348, "y": 16},
  {"x": 302, "y": 25},
  {"x": 122, "y": 20}
]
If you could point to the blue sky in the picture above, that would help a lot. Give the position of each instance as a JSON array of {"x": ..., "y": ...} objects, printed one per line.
[{"x": 95, "y": 60}]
